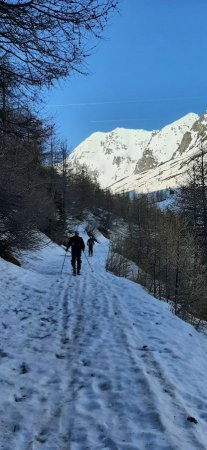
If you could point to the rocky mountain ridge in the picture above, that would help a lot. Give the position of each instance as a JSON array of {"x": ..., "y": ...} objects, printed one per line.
[{"x": 140, "y": 160}]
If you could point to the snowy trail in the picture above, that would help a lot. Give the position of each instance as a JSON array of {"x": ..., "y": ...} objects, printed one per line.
[
  {"x": 94, "y": 362},
  {"x": 111, "y": 373}
]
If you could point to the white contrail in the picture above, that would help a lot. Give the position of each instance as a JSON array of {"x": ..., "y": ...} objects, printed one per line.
[
  {"x": 95, "y": 103},
  {"x": 117, "y": 102},
  {"x": 117, "y": 120}
]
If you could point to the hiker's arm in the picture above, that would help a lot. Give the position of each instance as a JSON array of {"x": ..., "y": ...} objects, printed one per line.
[{"x": 68, "y": 245}]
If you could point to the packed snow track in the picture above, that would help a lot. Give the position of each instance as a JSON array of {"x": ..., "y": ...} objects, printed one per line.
[{"x": 94, "y": 362}]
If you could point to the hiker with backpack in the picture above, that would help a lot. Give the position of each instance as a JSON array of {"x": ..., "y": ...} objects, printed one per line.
[{"x": 77, "y": 246}]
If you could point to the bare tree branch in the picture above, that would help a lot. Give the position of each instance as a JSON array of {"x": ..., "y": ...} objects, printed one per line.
[
  {"x": 49, "y": 39},
  {"x": 5, "y": 5}
]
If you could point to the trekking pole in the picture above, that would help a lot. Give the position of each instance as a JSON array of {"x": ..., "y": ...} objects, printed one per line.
[
  {"x": 64, "y": 261},
  {"x": 88, "y": 262}
]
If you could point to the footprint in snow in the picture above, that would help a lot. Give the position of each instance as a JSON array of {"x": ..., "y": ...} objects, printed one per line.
[
  {"x": 24, "y": 368},
  {"x": 65, "y": 340},
  {"x": 3, "y": 354},
  {"x": 38, "y": 291},
  {"x": 19, "y": 399},
  {"x": 105, "y": 386},
  {"x": 59, "y": 356},
  {"x": 144, "y": 348}
]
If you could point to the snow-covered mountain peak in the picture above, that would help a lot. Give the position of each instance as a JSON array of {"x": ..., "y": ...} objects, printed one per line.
[
  {"x": 122, "y": 152},
  {"x": 134, "y": 131},
  {"x": 186, "y": 120},
  {"x": 112, "y": 155}
]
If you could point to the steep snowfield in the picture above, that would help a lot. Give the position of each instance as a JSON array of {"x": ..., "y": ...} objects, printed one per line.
[
  {"x": 94, "y": 362},
  {"x": 121, "y": 152},
  {"x": 112, "y": 155},
  {"x": 166, "y": 142},
  {"x": 172, "y": 174}
]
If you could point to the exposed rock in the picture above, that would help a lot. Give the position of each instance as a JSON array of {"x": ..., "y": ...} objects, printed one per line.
[
  {"x": 147, "y": 162},
  {"x": 117, "y": 160},
  {"x": 186, "y": 140}
]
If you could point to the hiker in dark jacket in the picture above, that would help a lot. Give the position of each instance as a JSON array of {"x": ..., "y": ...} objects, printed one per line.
[
  {"x": 77, "y": 246},
  {"x": 90, "y": 243}
]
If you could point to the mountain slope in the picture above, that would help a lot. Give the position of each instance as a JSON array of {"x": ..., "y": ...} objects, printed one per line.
[
  {"x": 125, "y": 153},
  {"x": 112, "y": 155},
  {"x": 172, "y": 173}
]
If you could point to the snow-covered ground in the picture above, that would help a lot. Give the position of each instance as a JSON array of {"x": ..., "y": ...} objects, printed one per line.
[{"x": 94, "y": 362}]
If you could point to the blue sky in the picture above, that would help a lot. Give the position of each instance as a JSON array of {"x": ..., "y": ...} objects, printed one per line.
[{"x": 149, "y": 70}]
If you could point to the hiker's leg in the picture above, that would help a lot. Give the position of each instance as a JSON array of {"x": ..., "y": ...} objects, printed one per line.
[
  {"x": 73, "y": 263},
  {"x": 78, "y": 263}
]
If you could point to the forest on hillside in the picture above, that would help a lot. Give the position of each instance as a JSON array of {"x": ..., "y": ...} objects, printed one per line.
[
  {"x": 39, "y": 44},
  {"x": 169, "y": 246}
]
